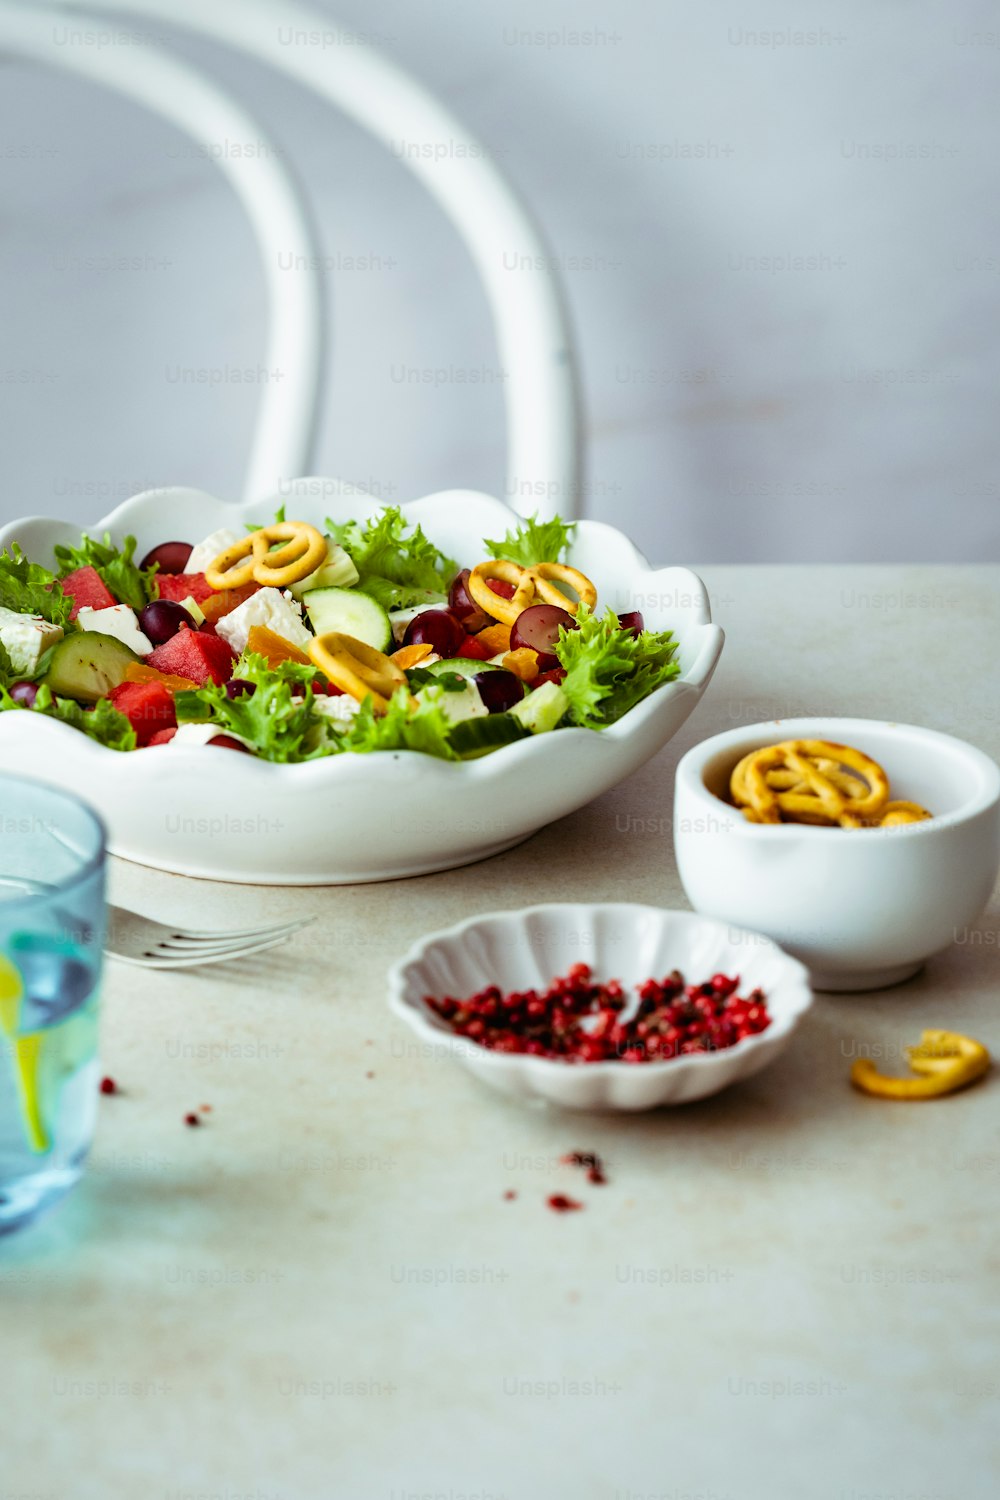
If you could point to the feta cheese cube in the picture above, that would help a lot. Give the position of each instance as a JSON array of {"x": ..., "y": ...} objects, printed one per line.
[
  {"x": 342, "y": 708},
  {"x": 26, "y": 637},
  {"x": 207, "y": 551},
  {"x": 267, "y": 607},
  {"x": 118, "y": 621}
]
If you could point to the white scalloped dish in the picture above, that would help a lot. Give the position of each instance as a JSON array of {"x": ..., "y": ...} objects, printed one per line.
[
  {"x": 348, "y": 817},
  {"x": 526, "y": 949}
]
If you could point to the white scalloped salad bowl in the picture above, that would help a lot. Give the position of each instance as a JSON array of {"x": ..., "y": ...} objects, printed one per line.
[{"x": 351, "y": 817}]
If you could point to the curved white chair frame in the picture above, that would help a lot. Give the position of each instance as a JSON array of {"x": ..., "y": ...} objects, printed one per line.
[
  {"x": 286, "y": 425},
  {"x": 532, "y": 330}
]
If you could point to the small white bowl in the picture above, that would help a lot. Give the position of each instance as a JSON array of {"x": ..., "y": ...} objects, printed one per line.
[
  {"x": 524, "y": 949},
  {"x": 863, "y": 908}
]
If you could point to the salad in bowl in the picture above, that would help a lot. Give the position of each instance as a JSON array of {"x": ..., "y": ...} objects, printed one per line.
[
  {"x": 369, "y": 664},
  {"x": 246, "y": 645}
]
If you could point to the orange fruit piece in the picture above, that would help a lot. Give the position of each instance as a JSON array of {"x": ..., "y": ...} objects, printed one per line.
[
  {"x": 411, "y": 656},
  {"x": 523, "y": 663},
  {"x": 219, "y": 604},
  {"x": 495, "y": 638},
  {"x": 137, "y": 671},
  {"x": 273, "y": 647}
]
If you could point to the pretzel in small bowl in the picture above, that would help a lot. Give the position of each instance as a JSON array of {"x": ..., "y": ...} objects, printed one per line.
[
  {"x": 810, "y": 781},
  {"x": 817, "y": 781}
]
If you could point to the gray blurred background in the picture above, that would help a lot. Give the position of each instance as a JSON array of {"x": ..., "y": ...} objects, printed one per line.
[{"x": 779, "y": 226}]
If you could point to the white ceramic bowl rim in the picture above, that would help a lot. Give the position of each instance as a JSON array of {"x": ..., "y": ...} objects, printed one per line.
[
  {"x": 435, "y": 1030},
  {"x": 691, "y": 770}
]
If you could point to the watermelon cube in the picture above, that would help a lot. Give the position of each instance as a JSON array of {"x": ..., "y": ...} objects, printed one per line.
[
  {"x": 148, "y": 706},
  {"x": 195, "y": 654},
  {"x": 87, "y": 589},
  {"x": 181, "y": 586},
  {"x": 163, "y": 736}
]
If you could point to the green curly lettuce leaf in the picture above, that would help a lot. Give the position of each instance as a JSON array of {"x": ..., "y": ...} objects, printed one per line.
[
  {"x": 403, "y": 726},
  {"x": 30, "y": 589},
  {"x": 277, "y": 718},
  {"x": 397, "y": 567},
  {"x": 114, "y": 565},
  {"x": 535, "y": 541},
  {"x": 609, "y": 670}
]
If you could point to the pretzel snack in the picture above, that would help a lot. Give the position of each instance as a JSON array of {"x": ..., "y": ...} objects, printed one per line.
[
  {"x": 856, "y": 791},
  {"x": 356, "y": 668},
  {"x": 819, "y": 782},
  {"x": 531, "y": 586},
  {"x": 943, "y": 1062},
  {"x": 251, "y": 559}
]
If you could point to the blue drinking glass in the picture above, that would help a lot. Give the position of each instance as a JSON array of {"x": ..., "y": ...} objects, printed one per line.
[{"x": 52, "y": 923}]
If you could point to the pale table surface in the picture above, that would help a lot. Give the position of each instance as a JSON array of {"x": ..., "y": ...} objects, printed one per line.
[{"x": 785, "y": 1291}]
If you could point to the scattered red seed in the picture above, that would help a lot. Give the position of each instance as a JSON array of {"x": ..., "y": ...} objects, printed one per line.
[
  {"x": 369, "y": 1075},
  {"x": 579, "y": 1020},
  {"x": 108, "y": 1086},
  {"x": 192, "y": 1119},
  {"x": 510, "y": 1194},
  {"x": 560, "y": 1204},
  {"x": 590, "y": 1160},
  {"x": 206, "y": 1109}
]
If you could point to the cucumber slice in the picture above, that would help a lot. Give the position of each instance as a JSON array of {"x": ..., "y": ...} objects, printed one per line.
[
  {"x": 465, "y": 666},
  {"x": 338, "y": 572},
  {"x": 475, "y": 737},
  {"x": 541, "y": 709},
  {"x": 87, "y": 665},
  {"x": 352, "y": 613}
]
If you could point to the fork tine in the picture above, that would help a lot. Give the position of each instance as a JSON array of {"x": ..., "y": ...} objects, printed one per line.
[
  {"x": 179, "y": 945},
  {"x": 194, "y": 935},
  {"x": 198, "y": 959}
]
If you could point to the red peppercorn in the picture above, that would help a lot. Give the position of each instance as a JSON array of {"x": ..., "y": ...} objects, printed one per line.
[
  {"x": 192, "y": 1119},
  {"x": 560, "y": 1204},
  {"x": 579, "y": 1021},
  {"x": 108, "y": 1086}
]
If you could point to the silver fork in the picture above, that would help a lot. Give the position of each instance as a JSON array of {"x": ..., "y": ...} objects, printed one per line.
[{"x": 155, "y": 945}]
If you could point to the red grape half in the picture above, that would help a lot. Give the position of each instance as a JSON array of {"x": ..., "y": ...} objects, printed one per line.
[
  {"x": 537, "y": 629},
  {"x": 170, "y": 557}
]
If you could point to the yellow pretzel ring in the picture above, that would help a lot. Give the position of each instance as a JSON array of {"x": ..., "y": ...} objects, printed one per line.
[
  {"x": 943, "y": 1062},
  {"x": 530, "y": 586},
  {"x": 304, "y": 550},
  {"x": 896, "y": 813},
  {"x": 816, "y": 795},
  {"x": 227, "y": 571},
  {"x": 356, "y": 668},
  {"x": 495, "y": 605}
]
